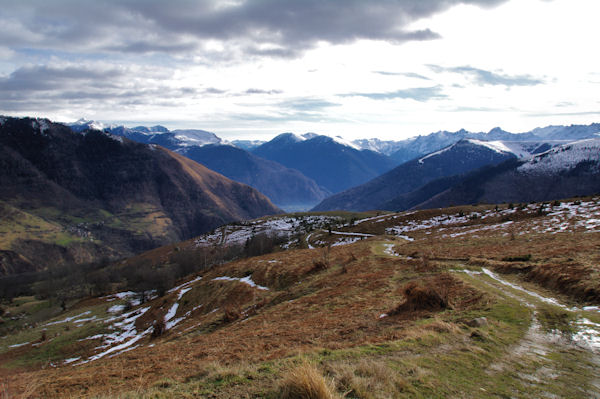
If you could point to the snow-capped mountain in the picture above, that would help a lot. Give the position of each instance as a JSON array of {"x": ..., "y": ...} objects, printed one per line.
[
  {"x": 153, "y": 135},
  {"x": 534, "y": 141},
  {"x": 564, "y": 158},
  {"x": 333, "y": 163},
  {"x": 565, "y": 171},
  {"x": 287, "y": 188},
  {"x": 247, "y": 145},
  {"x": 386, "y": 147},
  {"x": 386, "y": 191}
]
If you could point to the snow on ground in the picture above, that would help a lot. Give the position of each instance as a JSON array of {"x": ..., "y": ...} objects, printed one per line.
[
  {"x": 19, "y": 345},
  {"x": 568, "y": 217},
  {"x": 184, "y": 285},
  {"x": 587, "y": 333},
  {"x": 245, "y": 280},
  {"x": 116, "y": 309},
  {"x": 556, "y": 218},
  {"x": 346, "y": 241},
  {"x": 282, "y": 226},
  {"x": 123, "y": 337},
  {"x": 68, "y": 319},
  {"x": 348, "y": 233},
  {"x": 435, "y": 221},
  {"x": 389, "y": 249}
]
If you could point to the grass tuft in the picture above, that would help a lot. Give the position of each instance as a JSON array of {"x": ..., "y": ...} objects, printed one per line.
[{"x": 306, "y": 382}]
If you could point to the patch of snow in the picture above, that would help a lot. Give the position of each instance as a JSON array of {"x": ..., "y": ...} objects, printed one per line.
[
  {"x": 346, "y": 241},
  {"x": 121, "y": 295},
  {"x": 588, "y": 334},
  {"x": 81, "y": 321},
  {"x": 497, "y": 146},
  {"x": 245, "y": 280},
  {"x": 68, "y": 319},
  {"x": 342, "y": 141},
  {"x": 347, "y": 233},
  {"x": 19, "y": 345},
  {"x": 71, "y": 360},
  {"x": 182, "y": 292},
  {"x": 433, "y": 154},
  {"x": 171, "y": 312},
  {"x": 116, "y": 309},
  {"x": 381, "y": 316},
  {"x": 125, "y": 337},
  {"x": 550, "y": 301},
  {"x": 185, "y": 285}
]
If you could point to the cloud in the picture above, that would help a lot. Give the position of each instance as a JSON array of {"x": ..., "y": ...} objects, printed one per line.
[
  {"x": 306, "y": 104},
  {"x": 483, "y": 77},
  {"x": 264, "y": 28},
  {"x": 575, "y": 113},
  {"x": 420, "y": 94},
  {"x": 261, "y": 91},
  {"x": 405, "y": 74},
  {"x": 42, "y": 87}
]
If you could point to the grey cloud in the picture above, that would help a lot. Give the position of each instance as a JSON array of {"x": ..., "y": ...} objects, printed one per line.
[
  {"x": 271, "y": 28},
  {"x": 35, "y": 88},
  {"x": 483, "y": 77},
  {"x": 306, "y": 104},
  {"x": 42, "y": 77},
  {"x": 405, "y": 74},
  {"x": 261, "y": 91},
  {"x": 421, "y": 94}
]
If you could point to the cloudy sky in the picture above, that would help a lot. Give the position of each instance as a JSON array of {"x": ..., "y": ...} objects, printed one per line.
[{"x": 255, "y": 68}]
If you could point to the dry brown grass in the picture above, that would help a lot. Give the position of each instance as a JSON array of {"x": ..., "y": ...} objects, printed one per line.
[
  {"x": 306, "y": 382},
  {"x": 368, "y": 379}
]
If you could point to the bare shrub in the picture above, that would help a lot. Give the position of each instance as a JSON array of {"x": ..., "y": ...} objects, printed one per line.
[
  {"x": 158, "y": 328},
  {"x": 433, "y": 296},
  {"x": 306, "y": 382},
  {"x": 231, "y": 314}
]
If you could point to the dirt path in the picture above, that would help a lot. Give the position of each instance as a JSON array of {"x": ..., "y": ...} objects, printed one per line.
[{"x": 543, "y": 357}]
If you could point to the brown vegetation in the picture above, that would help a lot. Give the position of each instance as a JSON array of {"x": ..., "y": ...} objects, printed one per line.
[{"x": 306, "y": 382}]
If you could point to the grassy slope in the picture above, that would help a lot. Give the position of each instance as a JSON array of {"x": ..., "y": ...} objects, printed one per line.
[{"x": 242, "y": 340}]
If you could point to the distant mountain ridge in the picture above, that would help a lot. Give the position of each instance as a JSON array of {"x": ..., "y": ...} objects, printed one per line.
[
  {"x": 405, "y": 150},
  {"x": 287, "y": 188},
  {"x": 565, "y": 171},
  {"x": 331, "y": 162},
  {"x": 382, "y": 192},
  {"x": 74, "y": 197}
]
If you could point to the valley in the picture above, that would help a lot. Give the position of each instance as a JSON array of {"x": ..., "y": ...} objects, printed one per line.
[{"x": 468, "y": 301}]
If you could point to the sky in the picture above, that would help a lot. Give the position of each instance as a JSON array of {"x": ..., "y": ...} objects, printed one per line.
[{"x": 251, "y": 69}]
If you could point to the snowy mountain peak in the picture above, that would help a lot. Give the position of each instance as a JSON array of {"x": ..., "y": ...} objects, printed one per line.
[
  {"x": 342, "y": 141},
  {"x": 196, "y": 137},
  {"x": 84, "y": 124},
  {"x": 564, "y": 157},
  {"x": 291, "y": 137}
]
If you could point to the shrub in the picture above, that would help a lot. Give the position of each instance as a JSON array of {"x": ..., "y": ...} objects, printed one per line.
[
  {"x": 518, "y": 258},
  {"x": 431, "y": 296},
  {"x": 306, "y": 382}
]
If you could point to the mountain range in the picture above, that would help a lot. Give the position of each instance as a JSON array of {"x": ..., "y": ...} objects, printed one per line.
[
  {"x": 383, "y": 191},
  {"x": 472, "y": 171},
  {"x": 334, "y": 164},
  {"x": 362, "y": 174},
  {"x": 75, "y": 197},
  {"x": 286, "y": 187}
]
